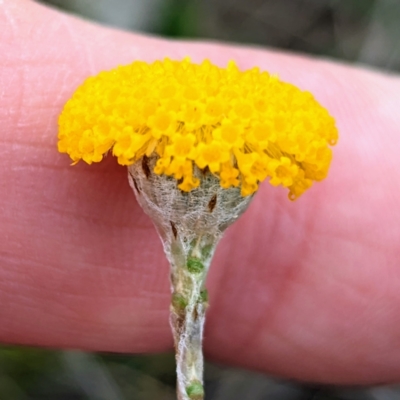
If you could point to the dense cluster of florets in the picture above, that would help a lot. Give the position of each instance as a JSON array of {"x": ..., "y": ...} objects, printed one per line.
[{"x": 240, "y": 126}]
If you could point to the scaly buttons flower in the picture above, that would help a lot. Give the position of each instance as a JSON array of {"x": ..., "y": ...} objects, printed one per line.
[{"x": 243, "y": 127}]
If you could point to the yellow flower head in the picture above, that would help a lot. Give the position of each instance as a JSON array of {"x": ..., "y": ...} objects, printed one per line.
[{"x": 243, "y": 127}]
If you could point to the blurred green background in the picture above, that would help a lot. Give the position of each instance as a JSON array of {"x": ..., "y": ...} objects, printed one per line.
[
  {"x": 360, "y": 31},
  {"x": 364, "y": 31}
]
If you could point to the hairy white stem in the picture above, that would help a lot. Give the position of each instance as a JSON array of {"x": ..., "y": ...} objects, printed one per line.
[
  {"x": 190, "y": 226},
  {"x": 189, "y": 302}
]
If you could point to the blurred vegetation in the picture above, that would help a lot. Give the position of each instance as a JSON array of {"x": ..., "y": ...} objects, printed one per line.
[
  {"x": 179, "y": 19},
  {"x": 354, "y": 30},
  {"x": 365, "y": 31}
]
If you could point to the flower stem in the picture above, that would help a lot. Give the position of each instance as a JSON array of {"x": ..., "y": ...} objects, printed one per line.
[{"x": 189, "y": 302}]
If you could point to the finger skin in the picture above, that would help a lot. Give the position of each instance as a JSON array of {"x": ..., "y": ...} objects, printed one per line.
[{"x": 308, "y": 290}]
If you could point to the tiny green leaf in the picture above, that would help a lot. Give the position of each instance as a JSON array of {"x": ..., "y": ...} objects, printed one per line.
[
  {"x": 178, "y": 301},
  {"x": 195, "y": 391},
  {"x": 194, "y": 265}
]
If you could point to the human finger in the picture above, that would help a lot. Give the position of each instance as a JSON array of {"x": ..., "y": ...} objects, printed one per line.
[{"x": 301, "y": 289}]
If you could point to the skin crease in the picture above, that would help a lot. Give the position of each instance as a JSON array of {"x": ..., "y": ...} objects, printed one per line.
[{"x": 308, "y": 290}]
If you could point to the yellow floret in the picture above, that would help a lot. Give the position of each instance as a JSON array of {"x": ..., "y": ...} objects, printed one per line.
[{"x": 243, "y": 127}]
